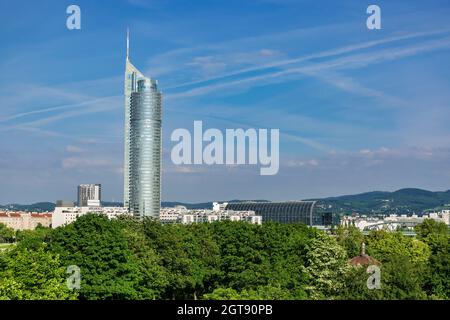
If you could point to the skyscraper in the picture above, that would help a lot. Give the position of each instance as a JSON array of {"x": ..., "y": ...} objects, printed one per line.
[{"x": 142, "y": 162}]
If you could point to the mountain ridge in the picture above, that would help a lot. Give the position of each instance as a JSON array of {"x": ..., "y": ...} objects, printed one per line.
[{"x": 405, "y": 201}]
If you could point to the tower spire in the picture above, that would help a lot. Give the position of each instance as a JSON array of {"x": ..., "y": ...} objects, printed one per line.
[{"x": 128, "y": 42}]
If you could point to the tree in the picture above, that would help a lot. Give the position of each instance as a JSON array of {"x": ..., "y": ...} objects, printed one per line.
[
  {"x": 326, "y": 267},
  {"x": 10, "y": 289},
  {"x": 152, "y": 280},
  {"x": 260, "y": 293},
  {"x": 6, "y": 234},
  {"x": 436, "y": 236},
  {"x": 402, "y": 279},
  {"x": 189, "y": 254},
  {"x": 431, "y": 227},
  {"x": 33, "y": 275},
  {"x": 245, "y": 262},
  {"x": 205, "y": 252},
  {"x": 98, "y": 246},
  {"x": 404, "y": 263},
  {"x": 33, "y": 239},
  {"x": 130, "y": 258},
  {"x": 222, "y": 294},
  {"x": 286, "y": 245},
  {"x": 382, "y": 245},
  {"x": 350, "y": 238},
  {"x": 355, "y": 285}
]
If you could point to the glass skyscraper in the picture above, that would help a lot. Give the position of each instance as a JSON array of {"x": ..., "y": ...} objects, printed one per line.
[{"x": 142, "y": 154}]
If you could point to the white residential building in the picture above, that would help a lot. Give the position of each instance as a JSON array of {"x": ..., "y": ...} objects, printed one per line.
[
  {"x": 217, "y": 206},
  {"x": 392, "y": 222},
  {"x": 180, "y": 214},
  {"x": 66, "y": 215}
]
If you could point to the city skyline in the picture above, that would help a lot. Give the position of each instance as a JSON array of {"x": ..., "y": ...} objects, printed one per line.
[{"x": 358, "y": 110}]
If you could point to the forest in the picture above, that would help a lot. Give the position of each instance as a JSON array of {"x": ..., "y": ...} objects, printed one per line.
[{"x": 142, "y": 259}]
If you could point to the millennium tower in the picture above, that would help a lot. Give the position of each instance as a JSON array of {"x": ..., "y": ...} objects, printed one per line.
[{"x": 142, "y": 154}]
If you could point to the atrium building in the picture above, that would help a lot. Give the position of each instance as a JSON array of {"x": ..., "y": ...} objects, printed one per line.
[{"x": 282, "y": 212}]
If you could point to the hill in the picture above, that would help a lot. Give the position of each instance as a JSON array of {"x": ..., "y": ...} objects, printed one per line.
[
  {"x": 35, "y": 207},
  {"x": 403, "y": 201}
]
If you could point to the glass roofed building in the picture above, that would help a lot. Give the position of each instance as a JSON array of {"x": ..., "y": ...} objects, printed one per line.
[{"x": 283, "y": 212}]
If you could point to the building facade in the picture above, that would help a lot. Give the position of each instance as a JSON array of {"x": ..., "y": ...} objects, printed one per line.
[
  {"x": 89, "y": 194},
  {"x": 393, "y": 221},
  {"x": 25, "y": 220},
  {"x": 142, "y": 153},
  {"x": 65, "y": 215},
  {"x": 185, "y": 216},
  {"x": 282, "y": 212}
]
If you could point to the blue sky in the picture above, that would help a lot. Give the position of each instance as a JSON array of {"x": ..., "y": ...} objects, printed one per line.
[{"x": 358, "y": 110}]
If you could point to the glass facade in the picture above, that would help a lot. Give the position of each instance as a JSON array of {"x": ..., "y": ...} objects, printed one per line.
[
  {"x": 132, "y": 75},
  {"x": 283, "y": 212},
  {"x": 142, "y": 145},
  {"x": 145, "y": 149}
]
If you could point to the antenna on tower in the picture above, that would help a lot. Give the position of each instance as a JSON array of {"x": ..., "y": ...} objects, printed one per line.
[{"x": 128, "y": 42}]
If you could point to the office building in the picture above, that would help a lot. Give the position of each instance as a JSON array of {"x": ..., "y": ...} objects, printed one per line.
[
  {"x": 142, "y": 153},
  {"x": 89, "y": 194},
  {"x": 283, "y": 212}
]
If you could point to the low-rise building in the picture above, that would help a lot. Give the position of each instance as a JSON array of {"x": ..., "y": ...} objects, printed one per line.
[
  {"x": 281, "y": 212},
  {"x": 66, "y": 215},
  {"x": 393, "y": 222},
  {"x": 25, "y": 220},
  {"x": 183, "y": 215}
]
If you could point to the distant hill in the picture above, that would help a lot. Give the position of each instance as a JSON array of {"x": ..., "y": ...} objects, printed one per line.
[
  {"x": 38, "y": 207},
  {"x": 49, "y": 206},
  {"x": 403, "y": 201}
]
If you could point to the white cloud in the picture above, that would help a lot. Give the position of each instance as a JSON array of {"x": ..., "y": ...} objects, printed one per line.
[
  {"x": 284, "y": 63},
  {"x": 85, "y": 163},
  {"x": 74, "y": 149},
  {"x": 302, "y": 163}
]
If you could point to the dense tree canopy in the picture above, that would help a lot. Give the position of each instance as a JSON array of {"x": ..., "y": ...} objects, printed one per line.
[
  {"x": 32, "y": 275},
  {"x": 129, "y": 258},
  {"x": 6, "y": 234},
  {"x": 437, "y": 237},
  {"x": 351, "y": 238}
]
